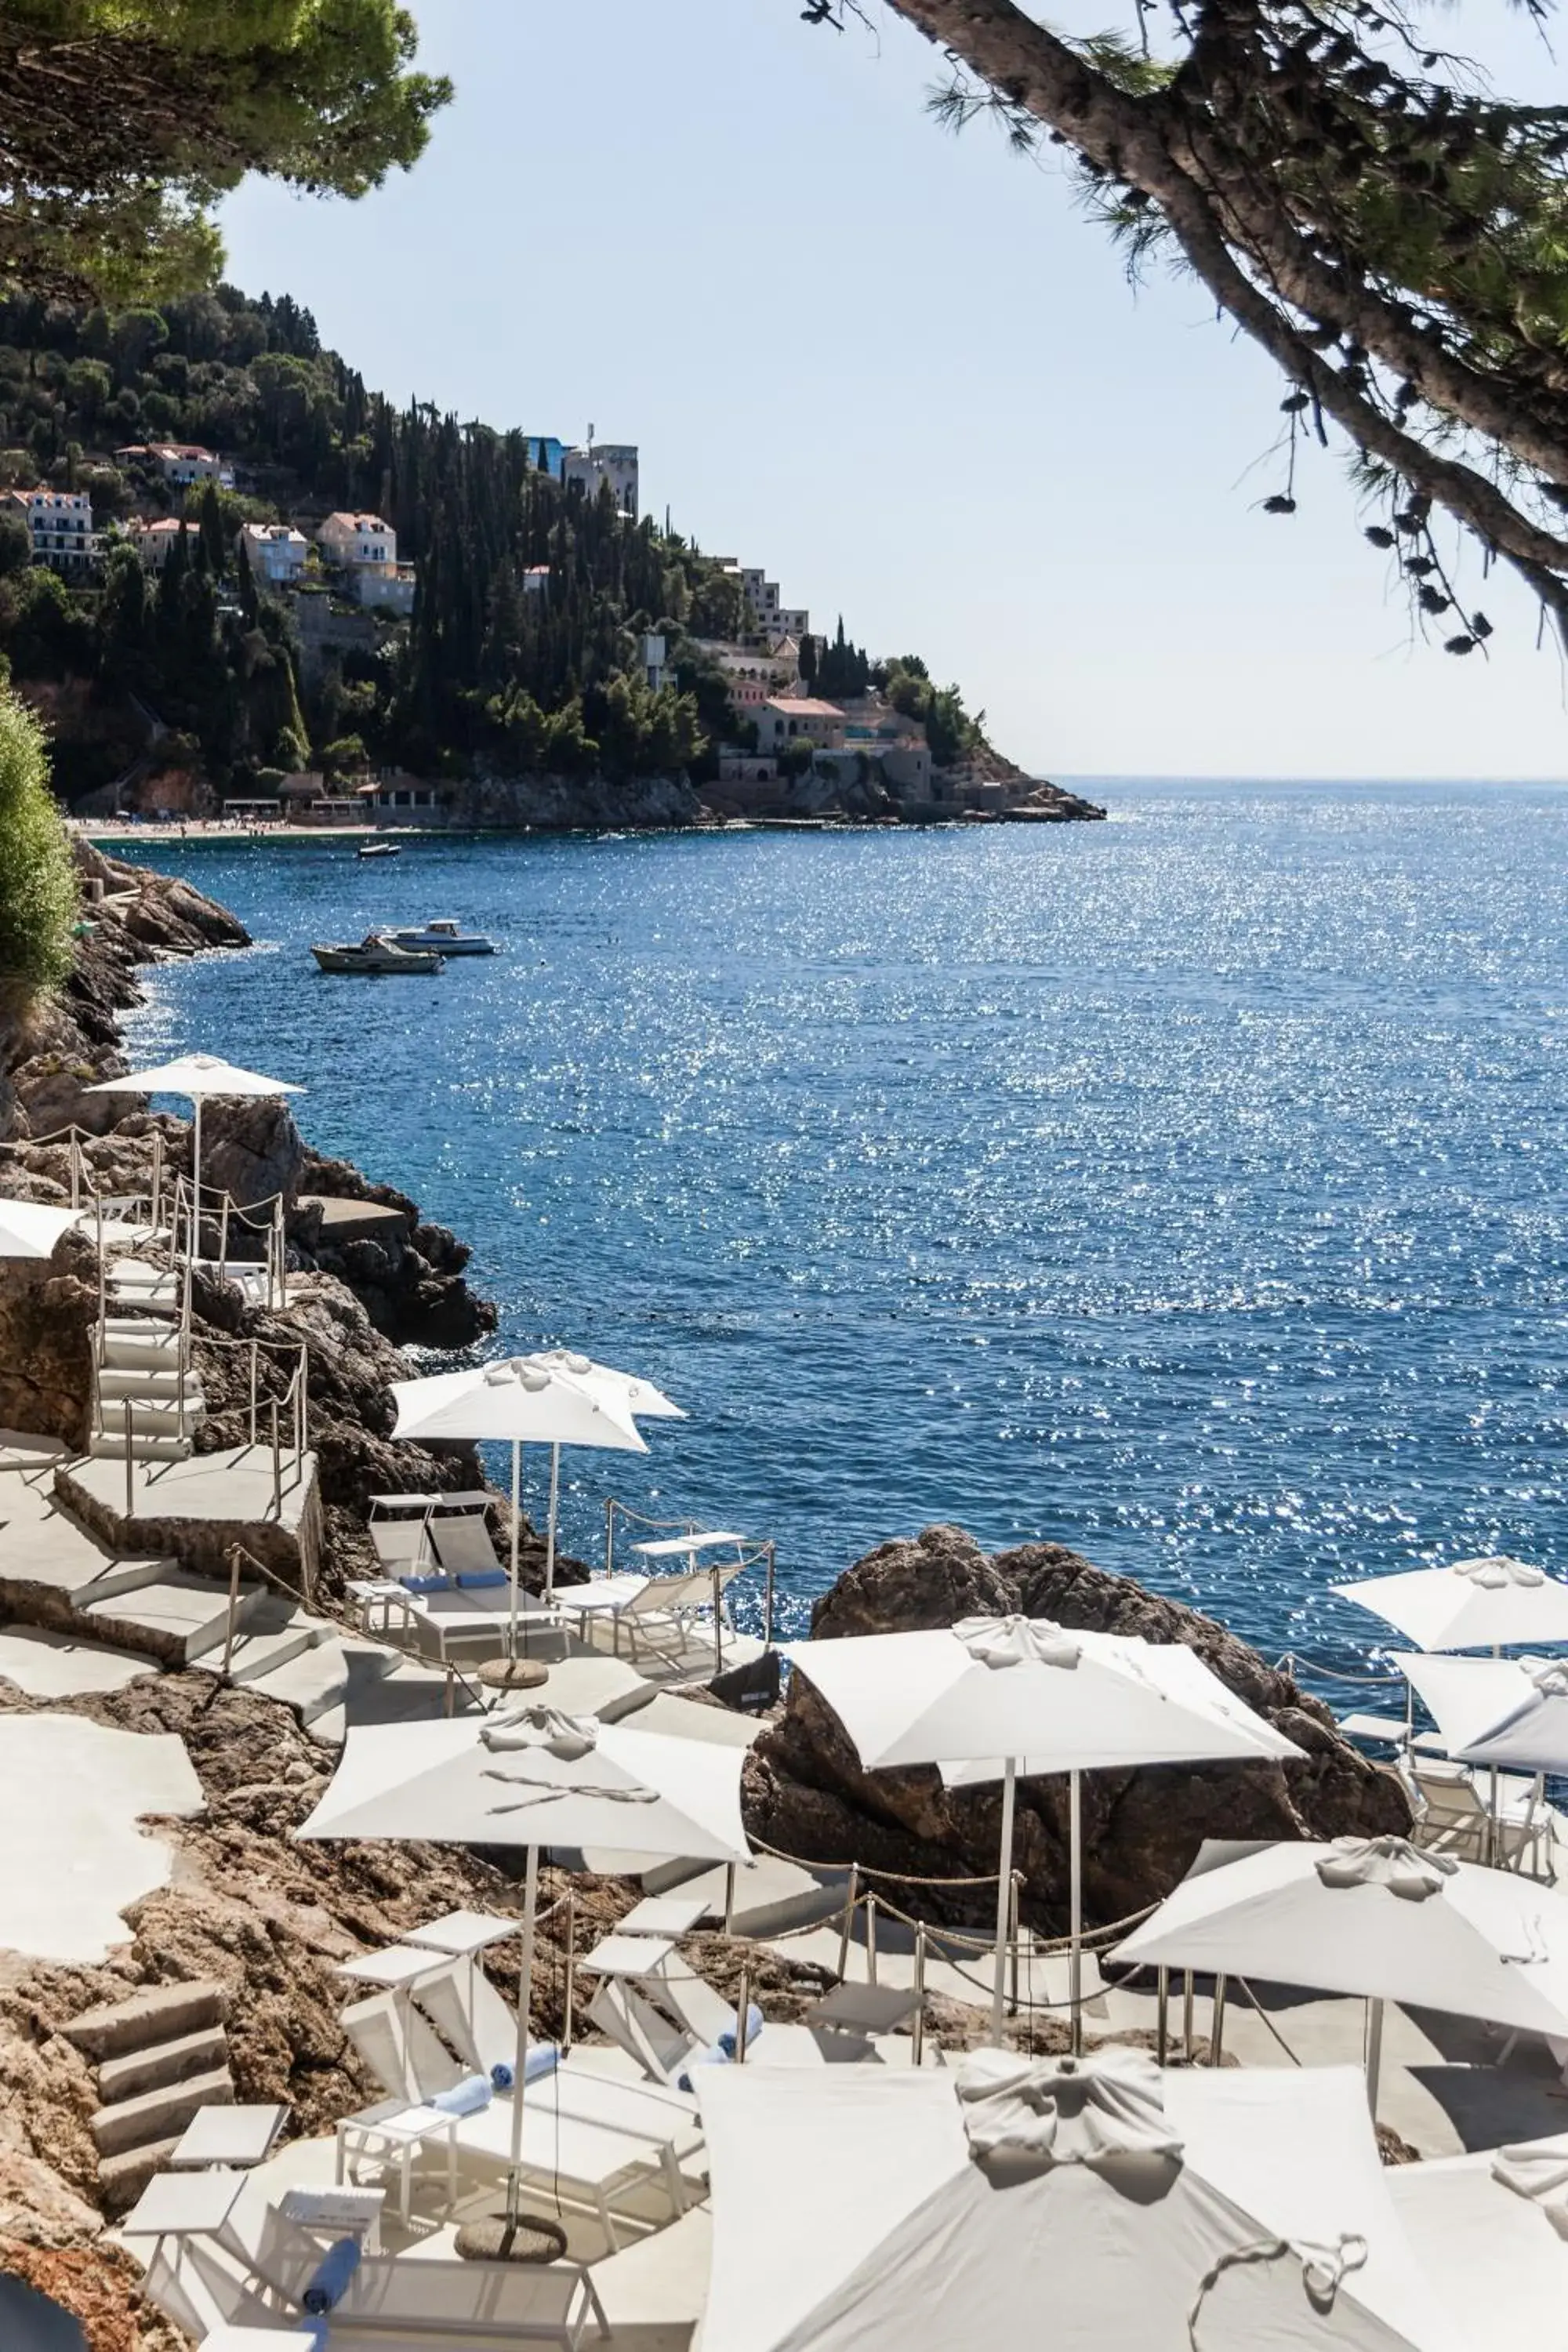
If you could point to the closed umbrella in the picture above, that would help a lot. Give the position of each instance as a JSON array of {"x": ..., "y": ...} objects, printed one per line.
[
  {"x": 627, "y": 1390},
  {"x": 518, "y": 1403},
  {"x": 1494, "y": 1603},
  {"x": 529, "y": 1777},
  {"x": 1374, "y": 1919},
  {"x": 1000, "y": 1697},
  {"x": 195, "y": 1076}
]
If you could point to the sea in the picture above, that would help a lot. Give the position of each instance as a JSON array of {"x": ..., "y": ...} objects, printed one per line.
[{"x": 1188, "y": 1189}]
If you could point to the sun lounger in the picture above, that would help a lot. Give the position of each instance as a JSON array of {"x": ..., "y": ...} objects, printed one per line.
[
  {"x": 463, "y": 1546},
  {"x": 395, "y": 2131},
  {"x": 397, "y": 2047},
  {"x": 587, "y": 2161},
  {"x": 1452, "y": 1816},
  {"x": 661, "y": 1614},
  {"x": 459, "y": 2304}
]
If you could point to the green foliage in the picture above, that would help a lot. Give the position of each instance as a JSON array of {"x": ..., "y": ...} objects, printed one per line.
[
  {"x": 949, "y": 731},
  {"x": 37, "y": 879},
  {"x": 170, "y": 102}
]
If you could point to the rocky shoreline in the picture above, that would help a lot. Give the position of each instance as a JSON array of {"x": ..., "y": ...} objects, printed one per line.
[{"x": 264, "y": 1919}]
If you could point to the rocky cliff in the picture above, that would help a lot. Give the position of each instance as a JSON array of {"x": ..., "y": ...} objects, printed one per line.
[{"x": 807, "y": 1794}]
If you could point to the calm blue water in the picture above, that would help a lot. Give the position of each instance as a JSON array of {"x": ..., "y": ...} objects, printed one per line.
[{"x": 1187, "y": 1189}]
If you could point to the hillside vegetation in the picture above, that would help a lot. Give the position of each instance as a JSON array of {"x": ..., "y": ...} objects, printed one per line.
[{"x": 485, "y": 674}]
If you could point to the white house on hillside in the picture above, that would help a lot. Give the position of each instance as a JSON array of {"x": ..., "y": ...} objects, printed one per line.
[
  {"x": 354, "y": 539},
  {"x": 275, "y": 551},
  {"x": 183, "y": 462},
  {"x": 59, "y": 525},
  {"x": 615, "y": 462},
  {"x": 799, "y": 718}
]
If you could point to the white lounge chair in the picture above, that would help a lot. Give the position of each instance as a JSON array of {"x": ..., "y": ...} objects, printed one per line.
[
  {"x": 1453, "y": 1815},
  {"x": 460, "y": 2305},
  {"x": 586, "y": 2160},
  {"x": 462, "y": 1545},
  {"x": 396, "y": 2045},
  {"x": 661, "y": 1614}
]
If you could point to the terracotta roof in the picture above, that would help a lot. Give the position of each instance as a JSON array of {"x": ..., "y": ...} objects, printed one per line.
[
  {"x": 357, "y": 521},
  {"x": 804, "y": 706}
]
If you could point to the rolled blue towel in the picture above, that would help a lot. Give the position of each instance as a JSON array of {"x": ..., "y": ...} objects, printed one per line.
[
  {"x": 728, "y": 2040},
  {"x": 542, "y": 2059},
  {"x": 474, "y": 1579},
  {"x": 328, "y": 2281},
  {"x": 465, "y": 2098},
  {"x": 716, "y": 2056},
  {"x": 432, "y": 1583}
]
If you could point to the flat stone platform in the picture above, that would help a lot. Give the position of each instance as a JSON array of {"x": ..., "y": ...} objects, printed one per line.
[
  {"x": 354, "y": 1220},
  {"x": 72, "y": 1794},
  {"x": 233, "y": 1488}
]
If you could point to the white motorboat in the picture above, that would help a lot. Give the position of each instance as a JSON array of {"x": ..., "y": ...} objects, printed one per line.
[
  {"x": 379, "y": 849},
  {"x": 376, "y": 958},
  {"x": 442, "y": 937}
]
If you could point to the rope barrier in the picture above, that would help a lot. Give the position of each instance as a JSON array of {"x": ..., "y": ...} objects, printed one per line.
[{"x": 1292, "y": 1658}]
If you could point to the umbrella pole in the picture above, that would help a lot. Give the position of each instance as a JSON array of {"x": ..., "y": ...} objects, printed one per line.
[
  {"x": 1004, "y": 1890},
  {"x": 1494, "y": 1843},
  {"x": 1075, "y": 1923},
  {"x": 524, "y": 2002},
  {"x": 555, "y": 1495},
  {"x": 196, "y": 1234},
  {"x": 516, "y": 1507},
  {"x": 1374, "y": 2054}
]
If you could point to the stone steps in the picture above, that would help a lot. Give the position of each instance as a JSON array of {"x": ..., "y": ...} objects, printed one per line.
[
  {"x": 175, "y": 1617},
  {"x": 127, "y": 1341},
  {"x": 320, "y": 1680},
  {"x": 118, "y": 1576},
  {"x": 161, "y": 2113},
  {"x": 264, "y": 1650},
  {"x": 410, "y": 1692},
  {"x": 146, "y": 1383},
  {"x": 137, "y": 2072},
  {"x": 161, "y": 2055},
  {"x": 109, "y": 1445}
]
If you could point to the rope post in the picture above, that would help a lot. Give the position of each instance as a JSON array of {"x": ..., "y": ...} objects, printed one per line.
[
  {"x": 872, "y": 1936},
  {"x": 76, "y": 1170},
  {"x": 253, "y": 1368},
  {"x": 851, "y": 1896},
  {"x": 277, "y": 1468},
  {"x": 571, "y": 1967},
  {"x": 301, "y": 1402},
  {"x": 233, "y": 1607},
  {"x": 1374, "y": 2054},
  {"x": 450, "y": 1699},
  {"x": 130, "y": 1463},
  {"x": 768, "y": 1602},
  {"x": 1015, "y": 1932},
  {"x": 223, "y": 1238},
  {"x": 741, "y": 2006},
  {"x": 1217, "y": 2021},
  {"x": 1163, "y": 2021},
  {"x": 918, "y": 2052},
  {"x": 729, "y": 1899},
  {"x": 717, "y": 1622},
  {"x": 157, "y": 1177},
  {"x": 609, "y": 1535},
  {"x": 1187, "y": 2016}
]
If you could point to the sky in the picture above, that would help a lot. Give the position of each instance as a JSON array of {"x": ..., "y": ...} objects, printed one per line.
[{"x": 903, "y": 371}]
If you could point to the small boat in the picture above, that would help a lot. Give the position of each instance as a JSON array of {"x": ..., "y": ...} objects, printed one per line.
[
  {"x": 443, "y": 938},
  {"x": 380, "y": 849},
  {"x": 378, "y": 957}
]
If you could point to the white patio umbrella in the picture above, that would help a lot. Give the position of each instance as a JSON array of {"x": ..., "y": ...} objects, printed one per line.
[
  {"x": 534, "y": 1777},
  {"x": 1496, "y": 1711},
  {"x": 518, "y": 1403},
  {"x": 1003, "y": 1697},
  {"x": 31, "y": 1228},
  {"x": 1377, "y": 1919},
  {"x": 637, "y": 1396},
  {"x": 1096, "y": 2203},
  {"x": 1489, "y": 1604},
  {"x": 195, "y": 1076}
]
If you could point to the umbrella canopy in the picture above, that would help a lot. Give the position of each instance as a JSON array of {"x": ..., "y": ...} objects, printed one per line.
[
  {"x": 992, "y": 1688},
  {"x": 1375, "y": 1918},
  {"x": 996, "y": 1698},
  {"x": 521, "y": 1400},
  {"x": 197, "y": 1075},
  {"x": 532, "y": 1777},
  {"x": 517, "y": 1401},
  {"x": 1496, "y": 1711},
  {"x": 639, "y": 1397},
  {"x": 31, "y": 1228},
  {"x": 1488, "y": 1603},
  {"x": 1136, "y": 2210}
]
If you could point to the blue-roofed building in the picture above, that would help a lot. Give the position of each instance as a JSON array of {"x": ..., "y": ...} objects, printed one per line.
[{"x": 546, "y": 454}]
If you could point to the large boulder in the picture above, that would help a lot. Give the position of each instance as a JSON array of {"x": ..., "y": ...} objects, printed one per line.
[
  {"x": 806, "y": 1793},
  {"x": 251, "y": 1150}
]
